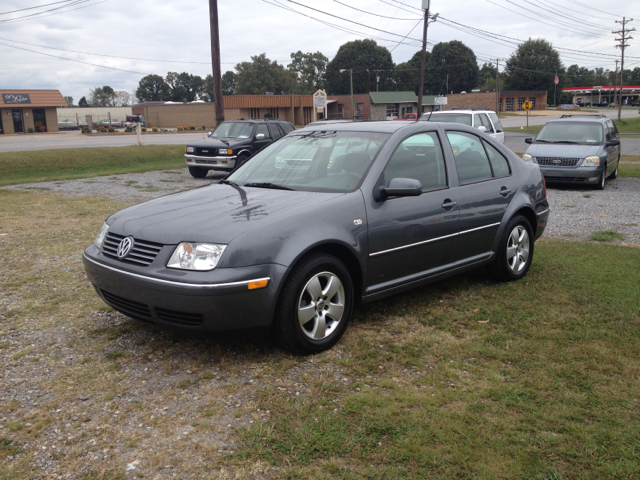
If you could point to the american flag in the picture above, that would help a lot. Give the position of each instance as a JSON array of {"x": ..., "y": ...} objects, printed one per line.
[{"x": 556, "y": 80}]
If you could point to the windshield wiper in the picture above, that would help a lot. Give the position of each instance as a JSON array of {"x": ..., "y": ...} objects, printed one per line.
[
  {"x": 543, "y": 141},
  {"x": 229, "y": 182},
  {"x": 275, "y": 186},
  {"x": 566, "y": 141}
]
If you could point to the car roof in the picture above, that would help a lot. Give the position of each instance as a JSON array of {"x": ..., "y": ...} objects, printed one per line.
[
  {"x": 441, "y": 112},
  {"x": 254, "y": 120},
  {"x": 376, "y": 127},
  {"x": 581, "y": 118}
]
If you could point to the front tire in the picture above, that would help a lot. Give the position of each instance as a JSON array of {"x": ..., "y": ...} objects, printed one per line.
[
  {"x": 516, "y": 250},
  {"x": 603, "y": 178},
  {"x": 198, "y": 172},
  {"x": 242, "y": 159},
  {"x": 315, "y": 305},
  {"x": 614, "y": 175}
]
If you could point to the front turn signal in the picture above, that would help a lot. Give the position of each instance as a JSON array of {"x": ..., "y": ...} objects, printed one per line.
[{"x": 257, "y": 284}]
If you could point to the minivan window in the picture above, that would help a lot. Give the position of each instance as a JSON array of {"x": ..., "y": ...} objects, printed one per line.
[{"x": 585, "y": 133}]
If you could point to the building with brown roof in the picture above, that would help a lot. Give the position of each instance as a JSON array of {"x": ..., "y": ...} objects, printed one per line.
[{"x": 23, "y": 111}]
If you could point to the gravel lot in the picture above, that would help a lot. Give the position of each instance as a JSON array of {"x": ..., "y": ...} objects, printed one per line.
[{"x": 575, "y": 212}]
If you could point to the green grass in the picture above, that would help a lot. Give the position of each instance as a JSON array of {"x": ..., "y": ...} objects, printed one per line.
[
  {"x": 532, "y": 129},
  {"x": 606, "y": 236},
  {"x": 629, "y": 170},
  {"x": 628, "y": 124},
  {"x": 48, "y": 165},
  {"x": 467, "y": 378}
]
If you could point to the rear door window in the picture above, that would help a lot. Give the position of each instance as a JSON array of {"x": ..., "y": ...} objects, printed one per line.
[
  {"x": 471, "y": 158},
  {"x": 262, "y": 128},
  {"x": 496, "y": 122},
  {"x": 499, "y": 164},
  {"x": 275, "y": 132}
]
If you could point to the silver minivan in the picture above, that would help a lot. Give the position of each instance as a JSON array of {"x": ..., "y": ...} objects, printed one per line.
[{"x": 484, "y": 120}]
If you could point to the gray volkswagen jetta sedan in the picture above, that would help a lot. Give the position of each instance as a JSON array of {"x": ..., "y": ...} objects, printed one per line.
[{"x": 327, "y": 217}]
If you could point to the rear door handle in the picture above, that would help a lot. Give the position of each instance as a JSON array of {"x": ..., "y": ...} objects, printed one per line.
[
  {"x": 448, "y": 204},
  {"x": 504, "y": 191}
]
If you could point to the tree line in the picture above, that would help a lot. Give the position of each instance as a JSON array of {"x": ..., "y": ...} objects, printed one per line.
[{"x": 449, "y": 67}]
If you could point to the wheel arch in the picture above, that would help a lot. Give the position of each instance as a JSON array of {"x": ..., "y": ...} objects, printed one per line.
[
  {"x": 345, "y": 254},
  {"x": 530, "y": 215}
]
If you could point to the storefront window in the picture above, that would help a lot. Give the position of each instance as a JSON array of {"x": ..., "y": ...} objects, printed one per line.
[{"x": 509, "y": 104}]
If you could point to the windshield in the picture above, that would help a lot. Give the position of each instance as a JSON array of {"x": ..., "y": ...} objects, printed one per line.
[
  {"x": 571, "y": 132},
  {"x": 313, "y": 161},
  {"x": 465, "y": 119},
  {"x": 233, "y": 130}
]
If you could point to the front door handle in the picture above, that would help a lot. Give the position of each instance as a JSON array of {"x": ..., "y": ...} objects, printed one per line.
[
  {"x": 504, "y": 191},
  {"x": 448, "y": 204}
]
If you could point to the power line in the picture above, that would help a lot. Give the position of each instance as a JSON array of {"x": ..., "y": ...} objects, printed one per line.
[
  {"x": 593, "y": 8},
  {"x": 592, "y": 25},
  {"x": 31, "y": 17},
  {"x": 374, "y": 14},
  {"x": 414, "y": 27},
  {"x": 38, "y": 6},
  {"x": 73, "y": 3},
  {"x": 71, "y": 59}
]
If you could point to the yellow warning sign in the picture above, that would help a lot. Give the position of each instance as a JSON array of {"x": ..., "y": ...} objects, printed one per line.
[{"x": 527, "y": 105}]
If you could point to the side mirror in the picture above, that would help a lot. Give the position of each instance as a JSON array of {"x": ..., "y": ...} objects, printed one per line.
[
  {"x": 260, "y": 136},
  {"x": 528, "y": 140},
  {"x": 482, "y": 128},
  {"x": 613, "y": 142},
  {"x": 209, "y": 134},
  {"x": 401, "y": 187}
]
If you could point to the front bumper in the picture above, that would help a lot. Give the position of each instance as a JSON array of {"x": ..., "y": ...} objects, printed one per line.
[
  {"x": 220, "y": 301},
  {"x": 582, "y": 175},
  {"x": 218, "y": 163}
]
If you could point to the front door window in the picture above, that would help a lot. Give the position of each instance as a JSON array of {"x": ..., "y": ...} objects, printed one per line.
[
  {"x": 39, "y": 120},
  {"x": 18, "y": 124}
]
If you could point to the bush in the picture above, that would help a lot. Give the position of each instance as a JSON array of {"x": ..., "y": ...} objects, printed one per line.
[
  {"x": 143, "y": 129},
  {"x": 102, "y": 130},
  {"x": 203, "y": 128},
  {"x": 165, "y": 130},
  {"x": 154, "y": 129},
  {"x": 111, "y": 129},
  {"x": 30, "y": 130},
  {"x": 86, "y": 130},
  {"x": 180, "y": 129},
  {"x": 128, "y": 129},
  {"x": 42, "y": 128},
  {"x": 192, "y": 127}
]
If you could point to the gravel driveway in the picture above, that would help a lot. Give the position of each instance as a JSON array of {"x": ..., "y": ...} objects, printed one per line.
[{"x": 575, "y": 212}]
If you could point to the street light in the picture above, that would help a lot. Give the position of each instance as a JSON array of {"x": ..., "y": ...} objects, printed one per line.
[{"x": 351, "y": 79}]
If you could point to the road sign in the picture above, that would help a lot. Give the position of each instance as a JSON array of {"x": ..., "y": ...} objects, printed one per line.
[{"x": 527, "y": 105}]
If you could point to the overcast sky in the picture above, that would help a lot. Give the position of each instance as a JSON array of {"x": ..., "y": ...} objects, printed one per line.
[{"x": 156, "y": 32}]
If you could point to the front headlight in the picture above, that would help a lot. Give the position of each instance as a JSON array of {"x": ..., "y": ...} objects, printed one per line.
[
  {"x": 196, "y": 256},
  {"x": 592, "y": 161},
  {"x": 527, "y": 158},
  {"x": 225, "y": 151},
  {"x": 101, "y": 234},
  {"x": 189, "y": 149}
]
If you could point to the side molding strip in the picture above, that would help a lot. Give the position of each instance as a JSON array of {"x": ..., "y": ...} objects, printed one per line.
[{"x": 432, "y": 240}]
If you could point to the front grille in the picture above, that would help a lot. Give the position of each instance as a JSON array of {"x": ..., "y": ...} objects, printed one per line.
[
  {"x": 142, "y": 252},
  {"x": 550, "y": 179},
  {"x": 179, "y": 318},
  {"x": 136, "y": 310},
  {"x": 207, "y": 152},
  {"x": 206, "y": 162},
  {"x": 557, "y": 161}
]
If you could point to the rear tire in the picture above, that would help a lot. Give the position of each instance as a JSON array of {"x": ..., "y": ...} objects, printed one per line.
[
  {"x": 315, "y": 305},
  {"x": 515, "y": 252},
  {"x": 198, "y": 172}
]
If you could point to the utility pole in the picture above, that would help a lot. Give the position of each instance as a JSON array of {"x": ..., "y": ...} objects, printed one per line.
[
  {"x": 215, "y": 61},
  {"x": 425, "y": 6},
  {"x": 351, "y": 81},
  {"x": 498, "y": 86},
  {"x": 615, "y": 84},
  {"x": 624, "y": 38}
]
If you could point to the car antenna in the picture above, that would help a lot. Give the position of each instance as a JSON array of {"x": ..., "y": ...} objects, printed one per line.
[{"x": 430, "y": 113}]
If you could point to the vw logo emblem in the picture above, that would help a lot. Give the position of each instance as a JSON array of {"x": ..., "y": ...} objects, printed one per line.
[{"x": 125, "y": 247}]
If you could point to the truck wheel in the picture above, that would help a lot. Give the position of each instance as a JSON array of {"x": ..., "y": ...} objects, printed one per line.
[{"x": 198, "y": 172}]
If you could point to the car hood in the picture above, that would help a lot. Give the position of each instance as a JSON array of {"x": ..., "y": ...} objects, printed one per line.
[
  {"x": 559, "y": 150},
  {"x": 216, "y": 143},
  {"x": 217, "y": 213}
]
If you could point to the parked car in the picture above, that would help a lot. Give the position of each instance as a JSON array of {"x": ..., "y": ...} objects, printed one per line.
[
  {"x": 408, "y": 116},
  {"x": 231, "y": 144},
  {"x": 295, "y": 250},
  {"x": 578, "y": 149},
  {"x": 132, "y": 120},
  {"x": 484, "y": 120}
]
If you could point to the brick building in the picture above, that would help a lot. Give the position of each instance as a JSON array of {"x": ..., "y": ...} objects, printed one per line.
[
  {"x": 297, "y": 109},
  {"x": 510, "y": 100},
  {"x": 377, "y": 105},
  {"x": 22, "y": 111}
]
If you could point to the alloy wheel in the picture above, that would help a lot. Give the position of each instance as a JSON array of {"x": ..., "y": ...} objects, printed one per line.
[
  {"x": 321, "y": 305},
  {"x": 518, "y": 247}
]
